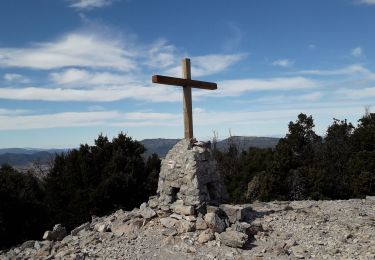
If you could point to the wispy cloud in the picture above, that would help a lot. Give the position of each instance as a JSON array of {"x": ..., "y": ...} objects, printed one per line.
[
  {"x": 108, "y": 94},
  {"x": 312, "y": 46},
  {"x": 357, "y": 52},
  {"x": 80, "y": 119},
  {"x": 239, "y": 87},
  {"x": 283, "y": 63},
  {"x": 363, "y": 93},
  {"x": 234, "y": 37},
  {"x": 12, "y": 112},
  {"x": 15, "y": 78},
  {"x": 161, "y": 54},
  {"x": 83, "y": 78},
  {"x": 311, "y": 97},
  {"x": 281, "y": 116},
  {"x": 354, "y": 69},
  {"x": 75, "y": 49},
  {"x": 367, "y": 2},
  {"x": 209, "y": 64},
  {"x": 89, "y": 4}
]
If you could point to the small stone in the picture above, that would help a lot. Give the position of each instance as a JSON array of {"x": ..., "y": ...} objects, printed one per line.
[
  {"x": 57, "y": 234},
  {"x": 241, "y": 227},
  {"x": 298, "y": 251},
  {"x": 170, "y": 231},
  {"x": 200, "y": 224},
  {"x": 85, "y": 226},
  {"x": 147, "y": 213},
  {"x": 233, "y": 238},
  {"x": 235, "y": 212},
  {"x": 184, "y": 226},
  {"x": 28, "y": 244},
  {"x": 37, "y": 245},
  {"x": 153, "y": 202},
  {"x": 176, "y": 216},
  {"x": 254, "y": 229},
  {"x": 205, "y": 236},
  {"x": 215, "y": 222},
  {"x": 184, "y": 210},
  {"x": 190, "y": 218},
  {"x": 168, "y": 241},
  {"x": 100, "y": 227},
  {"x": 168, "y": 222},
  {"x": 213, "y": 209},
  {"x": 143, "y": 206},
  {"x": 288, "y": 207}
]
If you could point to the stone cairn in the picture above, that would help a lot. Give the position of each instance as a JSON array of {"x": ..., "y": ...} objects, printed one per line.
[
  {"x": 190, "y": 195},
  {"x": 189, "y": 198}
]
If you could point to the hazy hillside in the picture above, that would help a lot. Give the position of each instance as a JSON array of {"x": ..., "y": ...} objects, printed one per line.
[
  {"x": 159, "y": 146},
  {"x": 22, "y": 157},
  {"x": 19, "y": 159},
  {"x": 245, "y": 142},
  {"x": 162, "y": 146}
]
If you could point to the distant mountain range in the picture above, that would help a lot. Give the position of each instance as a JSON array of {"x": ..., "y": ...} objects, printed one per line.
[
  {"x": 24, "y": 157},
  {"x": 162, "y": 146}
]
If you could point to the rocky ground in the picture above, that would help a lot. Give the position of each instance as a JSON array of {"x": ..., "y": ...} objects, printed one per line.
[{"x": 343, "y": 229}]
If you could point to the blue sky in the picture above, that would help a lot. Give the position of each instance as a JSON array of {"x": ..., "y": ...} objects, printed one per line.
[{"x": 71, "y": 69}]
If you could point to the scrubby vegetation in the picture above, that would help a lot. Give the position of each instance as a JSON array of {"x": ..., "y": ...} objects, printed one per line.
[
  {"x": 91, "y": 180},
  {"x": 95, "y": 180},
  {"x": 304, "y": 165}
]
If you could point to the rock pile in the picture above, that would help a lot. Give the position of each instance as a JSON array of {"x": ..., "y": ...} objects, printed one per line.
[
  {"x": 189, "y": 173},
  {"x": 275, "y": 230}
]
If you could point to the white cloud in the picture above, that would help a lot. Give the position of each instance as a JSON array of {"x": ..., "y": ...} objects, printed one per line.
[
  {"x": 289, "y": 99},
  {"x": 73, "y": 50},
  {"x": 154, "y": 93},
  {"x": 83, "y": 78},
  {"x": 283, "y": 63},
  {"x": 208, "y": 64},
  {"x": 161, "y": 55},
  {"x": 198, "y": 110},
  {"x": 357, "y": 52},
  {"x": 80, "y": 119},
  {"x": 312, "y": 46},
  {"x": 355, "y": 69},
  {"x": 281, "y": 116},
  {"x": 95, "y": 108},
  {"x": 14, "y": 77},
  {"x": 234, "y": 37},
  {"x": 357, "y": 93},
  {"x": 314, "y": 96},
  {"x": 108, "y": 94},
  {"x": 239, "y": 87},
  {"x": 11, "y": 112},
  {"x": 70, "y": 76},
  {"x": 89, "y": 4},
  {"x": 368, "y": 2}
]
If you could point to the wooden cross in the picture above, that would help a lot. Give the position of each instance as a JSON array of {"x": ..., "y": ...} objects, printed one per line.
[{"x": 187, "y": 83}]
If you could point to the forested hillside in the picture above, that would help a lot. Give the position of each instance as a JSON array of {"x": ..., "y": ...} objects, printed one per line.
[{"x": 304, "y": 165}]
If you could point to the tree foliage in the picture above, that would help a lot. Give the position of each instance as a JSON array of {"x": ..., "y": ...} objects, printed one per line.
[
  {"x": 304, "y": 165},
  {"x": 95, "y": 180},
  {"x": 91, "y": 180},
  {"x": 22, "y": 211}
]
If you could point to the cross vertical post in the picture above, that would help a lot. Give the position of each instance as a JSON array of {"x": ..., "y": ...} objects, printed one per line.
[
  {"x": 187, "y": 84},
  {"x": 187, "y": 101}
]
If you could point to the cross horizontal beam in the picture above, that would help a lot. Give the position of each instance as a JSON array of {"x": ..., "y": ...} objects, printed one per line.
[{"x": 183, "y": 82}]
